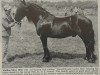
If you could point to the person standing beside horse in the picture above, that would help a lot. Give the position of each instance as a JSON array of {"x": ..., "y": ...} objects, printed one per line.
[{"x": 7, "y": 23}]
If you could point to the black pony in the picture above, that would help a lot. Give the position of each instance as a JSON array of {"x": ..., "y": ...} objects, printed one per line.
[{"x": 47, "y": 25}]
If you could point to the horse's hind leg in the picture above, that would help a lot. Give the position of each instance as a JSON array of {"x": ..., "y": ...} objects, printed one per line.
[
  {"x": 89, "y": 44},
  {"x": 46, "y": 57}
]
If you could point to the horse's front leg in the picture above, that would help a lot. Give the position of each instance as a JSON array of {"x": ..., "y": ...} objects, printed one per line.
[{"x": 46, "y": 57}]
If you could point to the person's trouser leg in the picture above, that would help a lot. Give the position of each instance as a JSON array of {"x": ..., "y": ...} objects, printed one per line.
[{"x": 5, "y": 41}]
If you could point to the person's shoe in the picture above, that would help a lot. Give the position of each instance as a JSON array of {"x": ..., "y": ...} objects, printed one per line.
[{"x": 5, "y": 60}]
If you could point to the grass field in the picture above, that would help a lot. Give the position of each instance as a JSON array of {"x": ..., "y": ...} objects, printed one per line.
[{"x": 67, "y": 52}]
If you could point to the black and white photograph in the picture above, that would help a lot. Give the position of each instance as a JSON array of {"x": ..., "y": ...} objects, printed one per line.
[{"x": 49, "y": 33}]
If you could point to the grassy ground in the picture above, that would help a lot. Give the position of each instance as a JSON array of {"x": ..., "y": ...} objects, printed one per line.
[{"x": 67, "y": 52}]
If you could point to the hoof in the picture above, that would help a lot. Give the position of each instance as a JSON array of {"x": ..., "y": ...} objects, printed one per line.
[
  {"x": 91, "y": 60},
  {"x": 46, "y": 59}
]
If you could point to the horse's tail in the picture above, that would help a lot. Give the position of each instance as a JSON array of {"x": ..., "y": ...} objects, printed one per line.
[
  {"x": 92, "y": 36},
  {"x": 91, "y": 33},
  {"x": 89, "y": 41}
]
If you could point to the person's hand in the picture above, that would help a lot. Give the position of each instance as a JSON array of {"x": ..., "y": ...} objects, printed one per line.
[{"x": 12, "y": 24}]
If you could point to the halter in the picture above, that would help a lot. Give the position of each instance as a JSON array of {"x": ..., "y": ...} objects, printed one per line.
[{"x": 18, "y": 23}]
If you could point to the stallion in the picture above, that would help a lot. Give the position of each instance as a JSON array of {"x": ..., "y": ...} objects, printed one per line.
[{"x": 47, "y": 25}]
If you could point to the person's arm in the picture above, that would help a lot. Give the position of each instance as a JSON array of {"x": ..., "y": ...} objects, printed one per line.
[{"x": 7, "y": 25}]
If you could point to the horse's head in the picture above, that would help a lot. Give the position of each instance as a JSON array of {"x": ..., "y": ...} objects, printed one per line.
[
  {"x": 26, "y": 10},
  {"x": 20, "y": 13},
  {"x": 31, "y": 11}
]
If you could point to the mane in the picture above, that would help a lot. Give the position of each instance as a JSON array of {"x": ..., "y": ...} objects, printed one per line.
[
  {"x": 37, "y": 7},
  {"x": 41, "y": 10}
]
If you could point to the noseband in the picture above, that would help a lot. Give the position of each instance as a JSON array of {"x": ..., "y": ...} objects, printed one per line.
[{"x": 18, "y": 23}]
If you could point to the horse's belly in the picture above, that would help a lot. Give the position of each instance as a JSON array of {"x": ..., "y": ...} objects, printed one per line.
[
  {"x": 61, "y": 31},
  {"x": 60, "y": 34}
]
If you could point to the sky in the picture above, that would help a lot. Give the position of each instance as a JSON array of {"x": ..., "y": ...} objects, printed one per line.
[
  {"x": 56, "y": 0},
  {"x": 66, "y": 0}
]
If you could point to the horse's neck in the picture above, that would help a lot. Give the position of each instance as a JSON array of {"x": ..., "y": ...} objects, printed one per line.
[
  {"x": 48, "y": 17},
  {"x": 35, "y": 17}
]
